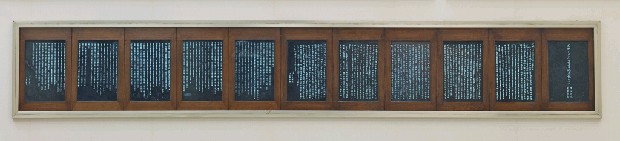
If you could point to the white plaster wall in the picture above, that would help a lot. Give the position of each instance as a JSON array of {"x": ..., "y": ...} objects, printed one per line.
[{"x": 607, "y": 128}]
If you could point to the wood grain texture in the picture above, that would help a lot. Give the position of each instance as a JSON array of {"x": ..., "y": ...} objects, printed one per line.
[
  {"x": 411, "y": 34},
  {"x": 436, "y": 36},
  {"x": 463, "y": 35},
  {"x": 360, "y": 34},
  {"x": 567, "y": 34},
  {"x": 201, "y": 34},
  {"x": 307, "y": 34},
  {"x": 44, "y": 34},
  {"x": 533, "y": 35},
  {"x": 168, "y": 34},
  {"x": 278, "y": 78},
  {"x": 78, "y": 34}
]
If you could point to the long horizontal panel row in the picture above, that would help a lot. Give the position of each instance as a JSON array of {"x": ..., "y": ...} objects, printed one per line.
[{"x": 359, "y": 63}]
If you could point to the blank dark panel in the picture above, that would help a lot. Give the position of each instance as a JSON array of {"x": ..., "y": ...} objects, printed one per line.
[
  {"x": 514, "y": 71},
  {"x": 462, "y": 71},
  {"x": 97, "y": 74},
  {"x": 411, "y": 65},
  {"x": 358, "y": 61},
  {"x": 306, "y": 71},
  {"x": 45, "y": 70},
  {"x": 150, "y": 70},
  {"x": 568, "y": 71},
  {"x": 254, "y": 64},
  {"x": 202, "y": 70}
]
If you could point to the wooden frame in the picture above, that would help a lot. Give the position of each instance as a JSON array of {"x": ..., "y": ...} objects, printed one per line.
[
  {"x": 411, "y": 34},
  {"x": 564, "y": 34},
  {"x": 360, "y": 34},
  {"x": 229, "y": 67},
  {"x": 308, "y": 34},
  {"x": 152, "y": 34},
  {"x": 463, "y": 35},
  {"x": 567, "y": 32},
  {"x": 201, "y": 34},
  {"x": 516, "y": 35},
  {"x": 44, "y": 34},
  {"x": 97, "y": 34},
  {"x": 19, "y": 111}
]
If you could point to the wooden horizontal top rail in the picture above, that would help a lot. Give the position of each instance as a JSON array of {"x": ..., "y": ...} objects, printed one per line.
[{"x": 311, "y": 23}]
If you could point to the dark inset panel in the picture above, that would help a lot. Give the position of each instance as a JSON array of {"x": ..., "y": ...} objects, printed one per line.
[
  {"x": 462, "y": 71},
  {"x": 254, "y": 64},
  {"x": 150, "y": 70},
  {"x": 202, "y": 70},
  {"x": 306, "y": 74},
  {"x": 97, "y": 74},
  {"x": 358, "y": 76},
  {"x": 568, "y": 71},
  {"x": 45, "y": 70},
  {"x": 411, "y": 71},
  {"x": 514, "y": 71}
]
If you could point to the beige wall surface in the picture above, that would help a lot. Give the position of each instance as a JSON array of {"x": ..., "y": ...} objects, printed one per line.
[{"x": 279, "y": 129}]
